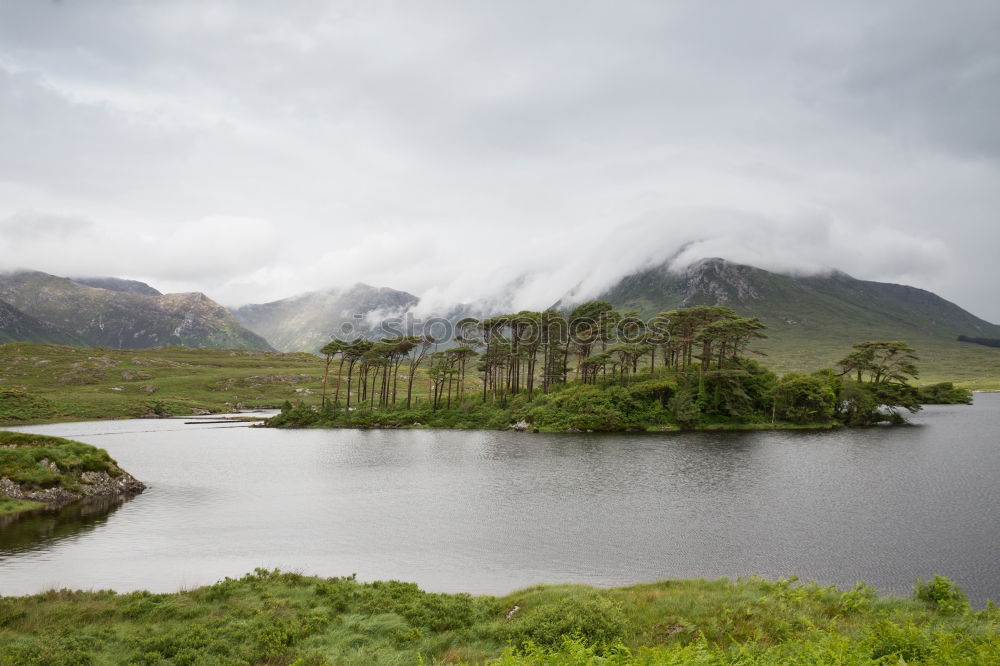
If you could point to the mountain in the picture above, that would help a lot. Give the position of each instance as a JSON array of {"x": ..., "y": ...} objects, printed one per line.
[
  {"x": 127, "y": 317},
  {"x": 817, "y": 304},
  {"x": 813, "y": 320},
  {"x": 16, "y": 326},
  {"x": 308, "y": 321},
  {"x": 118, "y": 284}
]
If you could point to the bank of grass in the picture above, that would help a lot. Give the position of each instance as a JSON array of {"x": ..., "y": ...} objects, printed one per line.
[
  {"x": 286, "y": 618},
  {"x": 50, "y": 383}
]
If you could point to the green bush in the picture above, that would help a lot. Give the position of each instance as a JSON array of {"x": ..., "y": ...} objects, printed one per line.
[
  {"x": 899, "y": 644},
  {"x": 945, "y": 393},
  {"x": 596, "y": 620},
  {"x": 583, "y": 407},
  {"x": 803, "y": 399},
  {"x": 942, "y": 593}
]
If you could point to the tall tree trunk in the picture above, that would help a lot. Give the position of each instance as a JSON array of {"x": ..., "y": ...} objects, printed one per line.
[
  {"x": 340, "y": 372},
  {"x": 326, "y": 373}
]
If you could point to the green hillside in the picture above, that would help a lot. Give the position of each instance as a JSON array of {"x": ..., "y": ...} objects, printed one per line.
[{"x": 813, "y": 321}]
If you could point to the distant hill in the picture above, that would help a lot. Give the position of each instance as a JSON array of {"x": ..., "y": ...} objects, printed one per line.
[
  {"x": 308, "y": 321},
  {"x": 812, "y": 320},
  {"x": 118, "y": 284},
  {"x": 63, "y": 311},
  {"x": 16, "y": 326}
]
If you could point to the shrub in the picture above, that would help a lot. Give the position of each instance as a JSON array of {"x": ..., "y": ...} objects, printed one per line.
[
  {"x": 803, "y": 399},
  {"x": 945, "y": 393},
  {"x": 942, "y": 593},
  {"x": 595, "y": 619},
  {"x": 584, "y": 407},
  {"x": 904, "y": 644},
  {"x": 685, "y": 408}
]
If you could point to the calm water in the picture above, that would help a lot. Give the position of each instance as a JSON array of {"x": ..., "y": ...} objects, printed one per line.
[{"x": 488, "y": 512}]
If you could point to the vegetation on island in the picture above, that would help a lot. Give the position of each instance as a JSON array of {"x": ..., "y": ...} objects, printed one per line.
[
  {"x": 597, "y": 369},
  {"x": 287, "y": 618},
  {"x": 40, "y": 469}
]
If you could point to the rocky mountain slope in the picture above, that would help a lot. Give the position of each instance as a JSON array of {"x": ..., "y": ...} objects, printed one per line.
[
  {"x": 308, "y": 321},
  {"x": 16, "y": 326},
  {"x": 813, "y": 320},
  {"x": 819, "y": 304},
  {"x": 127, "y": 317}
]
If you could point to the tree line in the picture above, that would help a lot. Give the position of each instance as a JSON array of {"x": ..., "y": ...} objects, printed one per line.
[{"x": 529, "y": 352}]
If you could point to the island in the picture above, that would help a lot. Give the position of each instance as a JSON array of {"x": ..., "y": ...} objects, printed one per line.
[
  {"x": 596, "y": 369},
  {"x": 42, "y": 471}
]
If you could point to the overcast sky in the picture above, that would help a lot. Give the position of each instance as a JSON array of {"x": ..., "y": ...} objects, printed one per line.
[{"x": 253, "y": 150}]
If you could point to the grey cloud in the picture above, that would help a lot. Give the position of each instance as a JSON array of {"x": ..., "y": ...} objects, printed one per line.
[
  {"x": 29, "y": 226},
  {"x": 435, "y": 146}
]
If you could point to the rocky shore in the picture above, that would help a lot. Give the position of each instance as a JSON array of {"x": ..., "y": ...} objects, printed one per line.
[{"x": 55, "y": 471}]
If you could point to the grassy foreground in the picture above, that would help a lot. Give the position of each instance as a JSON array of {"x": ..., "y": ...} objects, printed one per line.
[{"x": 286, "y": 618}]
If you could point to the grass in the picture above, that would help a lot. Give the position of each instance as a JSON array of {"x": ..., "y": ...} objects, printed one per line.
[
  {"x": 287, "y": 618},
  {"x": 47, "y": 383},
  {"x": 10, "y": 506},
  {"x": 23, "y": 457}
]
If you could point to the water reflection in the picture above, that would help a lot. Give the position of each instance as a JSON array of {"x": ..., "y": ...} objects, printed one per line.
[{"x": 41, "y": 528}]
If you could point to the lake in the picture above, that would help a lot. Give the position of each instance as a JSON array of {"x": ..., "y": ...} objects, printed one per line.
[{"x": 489, "y": 512}]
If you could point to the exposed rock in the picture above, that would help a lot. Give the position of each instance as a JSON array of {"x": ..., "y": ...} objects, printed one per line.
[
  {"x": 149, "y": 388},
  {"x": 88, "y": 484},
  {"x": 200, "y": 412},
  {"x": 520, "y": 426}
]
